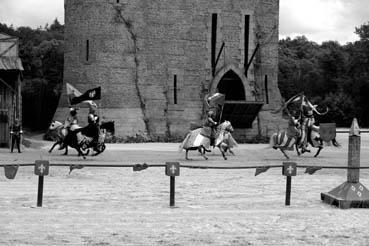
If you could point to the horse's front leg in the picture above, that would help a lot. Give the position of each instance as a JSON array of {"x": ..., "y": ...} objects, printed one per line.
[
  {"x": 80, "y": 153},
  {"x": 319, "y": 149},
  {"x": 203, "y": 152},
  {"x": 56, "y": 143},
  {"x": 285, "y": 154},
  {"x": 186, "y": 157},
  {"x": 66, "y": 150},
  {"x": 297, "y": 150},
  {"x": 223, "y": 148},
  {"x": 222, "y": 151}
]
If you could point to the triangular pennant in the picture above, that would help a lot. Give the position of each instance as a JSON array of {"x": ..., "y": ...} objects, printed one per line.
[
  {"x": 261, "y": 170},
  {"x": 140, "y": 167},
  {"x": 10, "y": 171},
  {"x": 312, "y": 170},
  {"x": 72, "y": 167}
]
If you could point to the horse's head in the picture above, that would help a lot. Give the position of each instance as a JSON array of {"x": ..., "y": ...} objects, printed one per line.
[
  {"x": 54, "y": 125},
  {"x": 226, "y": 126}
]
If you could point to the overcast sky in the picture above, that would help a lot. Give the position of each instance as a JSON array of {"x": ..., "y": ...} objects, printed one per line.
[{"x": 318, "y": 20}]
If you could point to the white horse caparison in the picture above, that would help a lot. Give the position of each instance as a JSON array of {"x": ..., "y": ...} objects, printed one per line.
[{"x": 196, "y": 141}]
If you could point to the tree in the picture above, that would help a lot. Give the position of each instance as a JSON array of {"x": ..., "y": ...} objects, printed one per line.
[{"x": 363, "y": 32}]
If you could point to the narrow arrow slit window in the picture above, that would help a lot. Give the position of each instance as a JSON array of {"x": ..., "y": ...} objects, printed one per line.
[
  {"x": 87, "y": 50},
  {"x": 175, "y": 89}
]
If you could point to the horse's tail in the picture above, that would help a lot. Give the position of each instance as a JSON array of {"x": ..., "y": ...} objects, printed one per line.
[{"x": 181, "y": 146}]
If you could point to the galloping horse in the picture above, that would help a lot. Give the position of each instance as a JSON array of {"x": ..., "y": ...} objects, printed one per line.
[
  {"x": 61, "y": 134},
  {"x": 196, "y": 141},
  {"x": 283, "y": 141}
]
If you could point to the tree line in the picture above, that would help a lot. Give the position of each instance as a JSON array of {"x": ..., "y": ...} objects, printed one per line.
[{"x": 330, "y": 74}]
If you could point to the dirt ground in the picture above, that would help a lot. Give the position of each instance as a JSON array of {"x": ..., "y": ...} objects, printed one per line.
[{"x": 116, "y": 206}]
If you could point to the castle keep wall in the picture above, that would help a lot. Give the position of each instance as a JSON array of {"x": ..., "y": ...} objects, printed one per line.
[{"x": 153, "y": 60}]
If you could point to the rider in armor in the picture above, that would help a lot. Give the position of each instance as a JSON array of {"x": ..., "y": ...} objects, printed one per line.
[
  {"x": 307, "y": 121},
  {"x": 91, "y": 131},
  {"x": 72, "y": 120},
  {"x": 210, "y": 126},
  {"x": 294, "y": 129}
]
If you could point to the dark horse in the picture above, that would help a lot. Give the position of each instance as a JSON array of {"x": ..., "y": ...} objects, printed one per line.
[
  {"x": 61, "y": 139},
  {"x": 61, "y": 132}
]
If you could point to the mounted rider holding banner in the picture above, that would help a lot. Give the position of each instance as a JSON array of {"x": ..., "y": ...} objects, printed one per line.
[
  {"x": 214, "y": 105},
  {"x": 91, "y": 131}
]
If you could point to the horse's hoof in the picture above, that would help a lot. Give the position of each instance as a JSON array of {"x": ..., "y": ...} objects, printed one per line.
[
  {"x": 225, "y": 158},
  {"x": 49, "y": 151}
]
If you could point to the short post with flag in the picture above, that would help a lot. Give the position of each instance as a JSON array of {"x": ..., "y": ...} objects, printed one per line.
[
  {"x": 41, "y": 169},
  {"x": 289, "y": 170},
  {"x": 172, "y": 170}
]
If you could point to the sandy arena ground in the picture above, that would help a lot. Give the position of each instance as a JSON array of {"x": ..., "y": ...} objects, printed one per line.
[{"x": 116, "y": 206}]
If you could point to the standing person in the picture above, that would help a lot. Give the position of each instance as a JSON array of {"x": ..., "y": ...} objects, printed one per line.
[{"x": 16, "y": 134}]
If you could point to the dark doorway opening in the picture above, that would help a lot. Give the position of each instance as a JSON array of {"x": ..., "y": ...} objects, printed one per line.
[
  {"x": 236, "y": 109},
  {"x": 231, "y": 85}
]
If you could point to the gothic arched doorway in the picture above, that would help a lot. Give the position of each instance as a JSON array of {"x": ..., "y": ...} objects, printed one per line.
[
  {"x": 231, "y": 85},
  {"x": 236, "y": 109}
]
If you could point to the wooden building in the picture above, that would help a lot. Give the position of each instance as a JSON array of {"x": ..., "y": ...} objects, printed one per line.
[{"x": 10, "y": 86}]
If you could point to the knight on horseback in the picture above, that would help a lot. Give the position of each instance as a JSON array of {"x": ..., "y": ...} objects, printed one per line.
[{"x": 301, "y": 130}]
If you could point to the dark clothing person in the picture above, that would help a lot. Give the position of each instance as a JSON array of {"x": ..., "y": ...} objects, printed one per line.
[
  {"x": 16, "y": 131},
  {"x": 91, "y": 131}
]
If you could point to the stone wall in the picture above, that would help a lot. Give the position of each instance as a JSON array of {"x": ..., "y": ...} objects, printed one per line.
[{"x": 136, "y": 48}]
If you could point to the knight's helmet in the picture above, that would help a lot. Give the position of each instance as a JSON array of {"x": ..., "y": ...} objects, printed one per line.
[{"x": 215, "y": 103}]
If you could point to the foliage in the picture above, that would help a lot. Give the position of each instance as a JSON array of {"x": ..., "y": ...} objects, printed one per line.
[
  {"x": 42, "y": 55},
  {"x": 330, "y": 74}
]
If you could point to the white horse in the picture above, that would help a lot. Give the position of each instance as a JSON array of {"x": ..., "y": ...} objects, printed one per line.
[{"x": 196, "y": 141}]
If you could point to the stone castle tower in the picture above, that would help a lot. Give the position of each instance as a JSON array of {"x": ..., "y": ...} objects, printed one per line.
[{"x": 156, "y": 60}]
